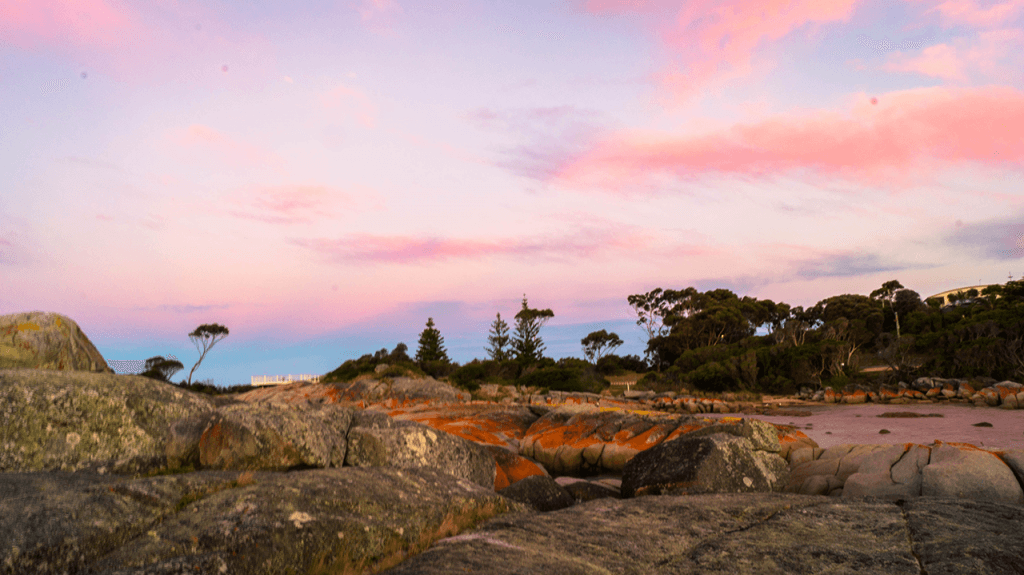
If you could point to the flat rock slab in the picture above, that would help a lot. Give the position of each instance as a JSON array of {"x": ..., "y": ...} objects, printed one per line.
[
  {"x": 325, "y": 520},
  {"x": 739, "y": 534}
]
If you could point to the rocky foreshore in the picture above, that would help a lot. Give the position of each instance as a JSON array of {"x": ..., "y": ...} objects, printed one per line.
[{"x": 103, "y": 473}]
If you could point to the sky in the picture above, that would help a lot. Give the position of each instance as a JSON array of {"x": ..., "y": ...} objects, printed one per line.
[{"x": 321, "y": 177}]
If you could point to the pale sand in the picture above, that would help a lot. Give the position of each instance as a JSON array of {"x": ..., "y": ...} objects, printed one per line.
[{"x": 838, "y": 424}]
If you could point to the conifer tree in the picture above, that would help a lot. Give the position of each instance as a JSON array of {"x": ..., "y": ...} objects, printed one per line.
[
  {"x": 431, "y": 345},
  {"x": 527, "y": 345},
  {"x": 498, "y": 339}
]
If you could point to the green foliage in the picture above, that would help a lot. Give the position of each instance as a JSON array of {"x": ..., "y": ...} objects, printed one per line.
[
  {"x": 568, "y": 377},
  {"x": 527, "y": 345},
  {"x": 597, "y": 343},
  {"x": 367, "y": 363},
  {"x": 498, "y": 340},
  {"x": 431, "y": 346},
  {"x": 612, "y": 364},
  {"x": 471, "y": 375},
  {"x": 161, "y": 368}
]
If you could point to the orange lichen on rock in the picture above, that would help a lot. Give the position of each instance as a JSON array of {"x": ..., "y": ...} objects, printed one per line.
[{"x": 512, "y": 467}]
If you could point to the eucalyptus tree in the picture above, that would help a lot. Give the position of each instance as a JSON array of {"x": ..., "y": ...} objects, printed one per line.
[{"x": 205, "y": 335}]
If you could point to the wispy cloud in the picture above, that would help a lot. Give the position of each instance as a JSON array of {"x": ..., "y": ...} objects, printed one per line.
[
  {"x": 206, "y": 141},
  {"x": 959, "y": 12},
  {"x": 898, "y": 135},
  {"x": 290, "y": 204},
  {"x": 710, "y": 39},
  {"x": 845, "y": 265},
  {"x": 63, "y": 24},
  {"x": 408, "y": 249},
  {"x": 545, "y": 137},
  {"x": 994, "y": 55},
  {"x": 352, "y": 102},
  {"x": 1001, "y": 239}
]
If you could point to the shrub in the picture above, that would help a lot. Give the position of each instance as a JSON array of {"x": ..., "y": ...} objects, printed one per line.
[
  {"x": 438, "y": 368},
  {"x": 562, "y": 379}
]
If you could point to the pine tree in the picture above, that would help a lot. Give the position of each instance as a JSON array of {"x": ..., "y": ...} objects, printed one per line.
[
  {"x": 431, "y": 345},
  {"x": 498, "y": 339},
  {"x": 527, "y": 345}
]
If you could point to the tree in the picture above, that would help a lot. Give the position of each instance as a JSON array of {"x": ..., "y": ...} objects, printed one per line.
[
  {"x": 527, "y": 344},
  {"x": 498, "y": 339},
  {"x": 431, "y": 345},
  {"x": 652, "y": 309},
  {"x": 162, "y": 368},
  {"x": 887, "y": 294},
  {"x": 597, "y": 343},
  {"x": 207, "y": 335}
]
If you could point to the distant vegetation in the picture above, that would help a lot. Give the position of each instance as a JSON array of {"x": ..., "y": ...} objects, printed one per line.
[{"x": 717, "y": 341}]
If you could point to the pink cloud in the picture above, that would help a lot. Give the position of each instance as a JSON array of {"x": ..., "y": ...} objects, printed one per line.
[
  {"x": 407, "y": 249},
  {"x": 956, "y": 12},
  {"x": 354, "y": 101},
  {"x": 906, "y": 132},
  {"x": 32, "y": 24},
  {"x": 209, "y": 140},
  {"x": 716, "y": 38},
  {"x": 939, "y": 61},
  {"x": 288, "y": 204},
  {"x": 995, "y": 54}
]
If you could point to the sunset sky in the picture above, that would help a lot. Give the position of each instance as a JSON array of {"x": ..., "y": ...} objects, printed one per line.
[{"x": 321, "y": 177}]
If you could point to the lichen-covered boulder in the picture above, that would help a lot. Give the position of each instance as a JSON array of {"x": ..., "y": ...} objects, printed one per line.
[
  {"x": 376, "y": 440},
  {"x": 484, "y": 423},
  {"x": 512, "y": 467},
  {"x": 71, "y": 420},
  {"x": 42, "y": 340},
  {"x": 716, "y": 463},
  {"x": 346, "y": 520},
  {"x": 263, "y": 436}
]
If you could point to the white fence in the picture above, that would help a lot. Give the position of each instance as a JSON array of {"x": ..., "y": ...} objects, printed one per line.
[{"x": 260, "y": 380}]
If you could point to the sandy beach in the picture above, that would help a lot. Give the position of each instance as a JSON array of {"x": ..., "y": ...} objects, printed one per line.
[{"x": 830, "y": 425}]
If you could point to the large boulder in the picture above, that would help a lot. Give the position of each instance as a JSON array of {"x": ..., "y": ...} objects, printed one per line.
[
  {"x": 715, "y": 463},
  {"x": 540, "y": 492},
  {"x": 263, "y": 436},
  {"x": 892, "y": 473},
  {"x": 377, "y": 440},
  {"x": 960, "y": 470},
  {"x": 42, "y": 340},
  {"x": 346, "y": 520},
  {"x": 71, "y": 420},
  {"x": 749, "y": 533}
]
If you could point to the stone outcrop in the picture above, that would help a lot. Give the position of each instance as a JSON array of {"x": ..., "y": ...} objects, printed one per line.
[
  {"x": 894, "y": 472},
  {"x": 582, "y": 440},
  {"x": 745, "y": 533},
  {"x": 718, "y": 459},
  {"x": 41, "y": 340},
  {"x": 262, "y": 436},
  {"x": 364, "y": 391},
  {"x": 1004, "y": 394},
  {"x": 376, "y": 440},
  {"x": 347, "y": 520},
  {"x": 539, "y": 492},
  {"x": 69, "y": 420}
]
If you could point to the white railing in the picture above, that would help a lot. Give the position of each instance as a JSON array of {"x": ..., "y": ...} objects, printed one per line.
[{"x": 259, "y": 380}]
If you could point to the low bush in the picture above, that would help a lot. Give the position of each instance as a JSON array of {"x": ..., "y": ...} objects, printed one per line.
[{"x": 563, "y": 378}]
